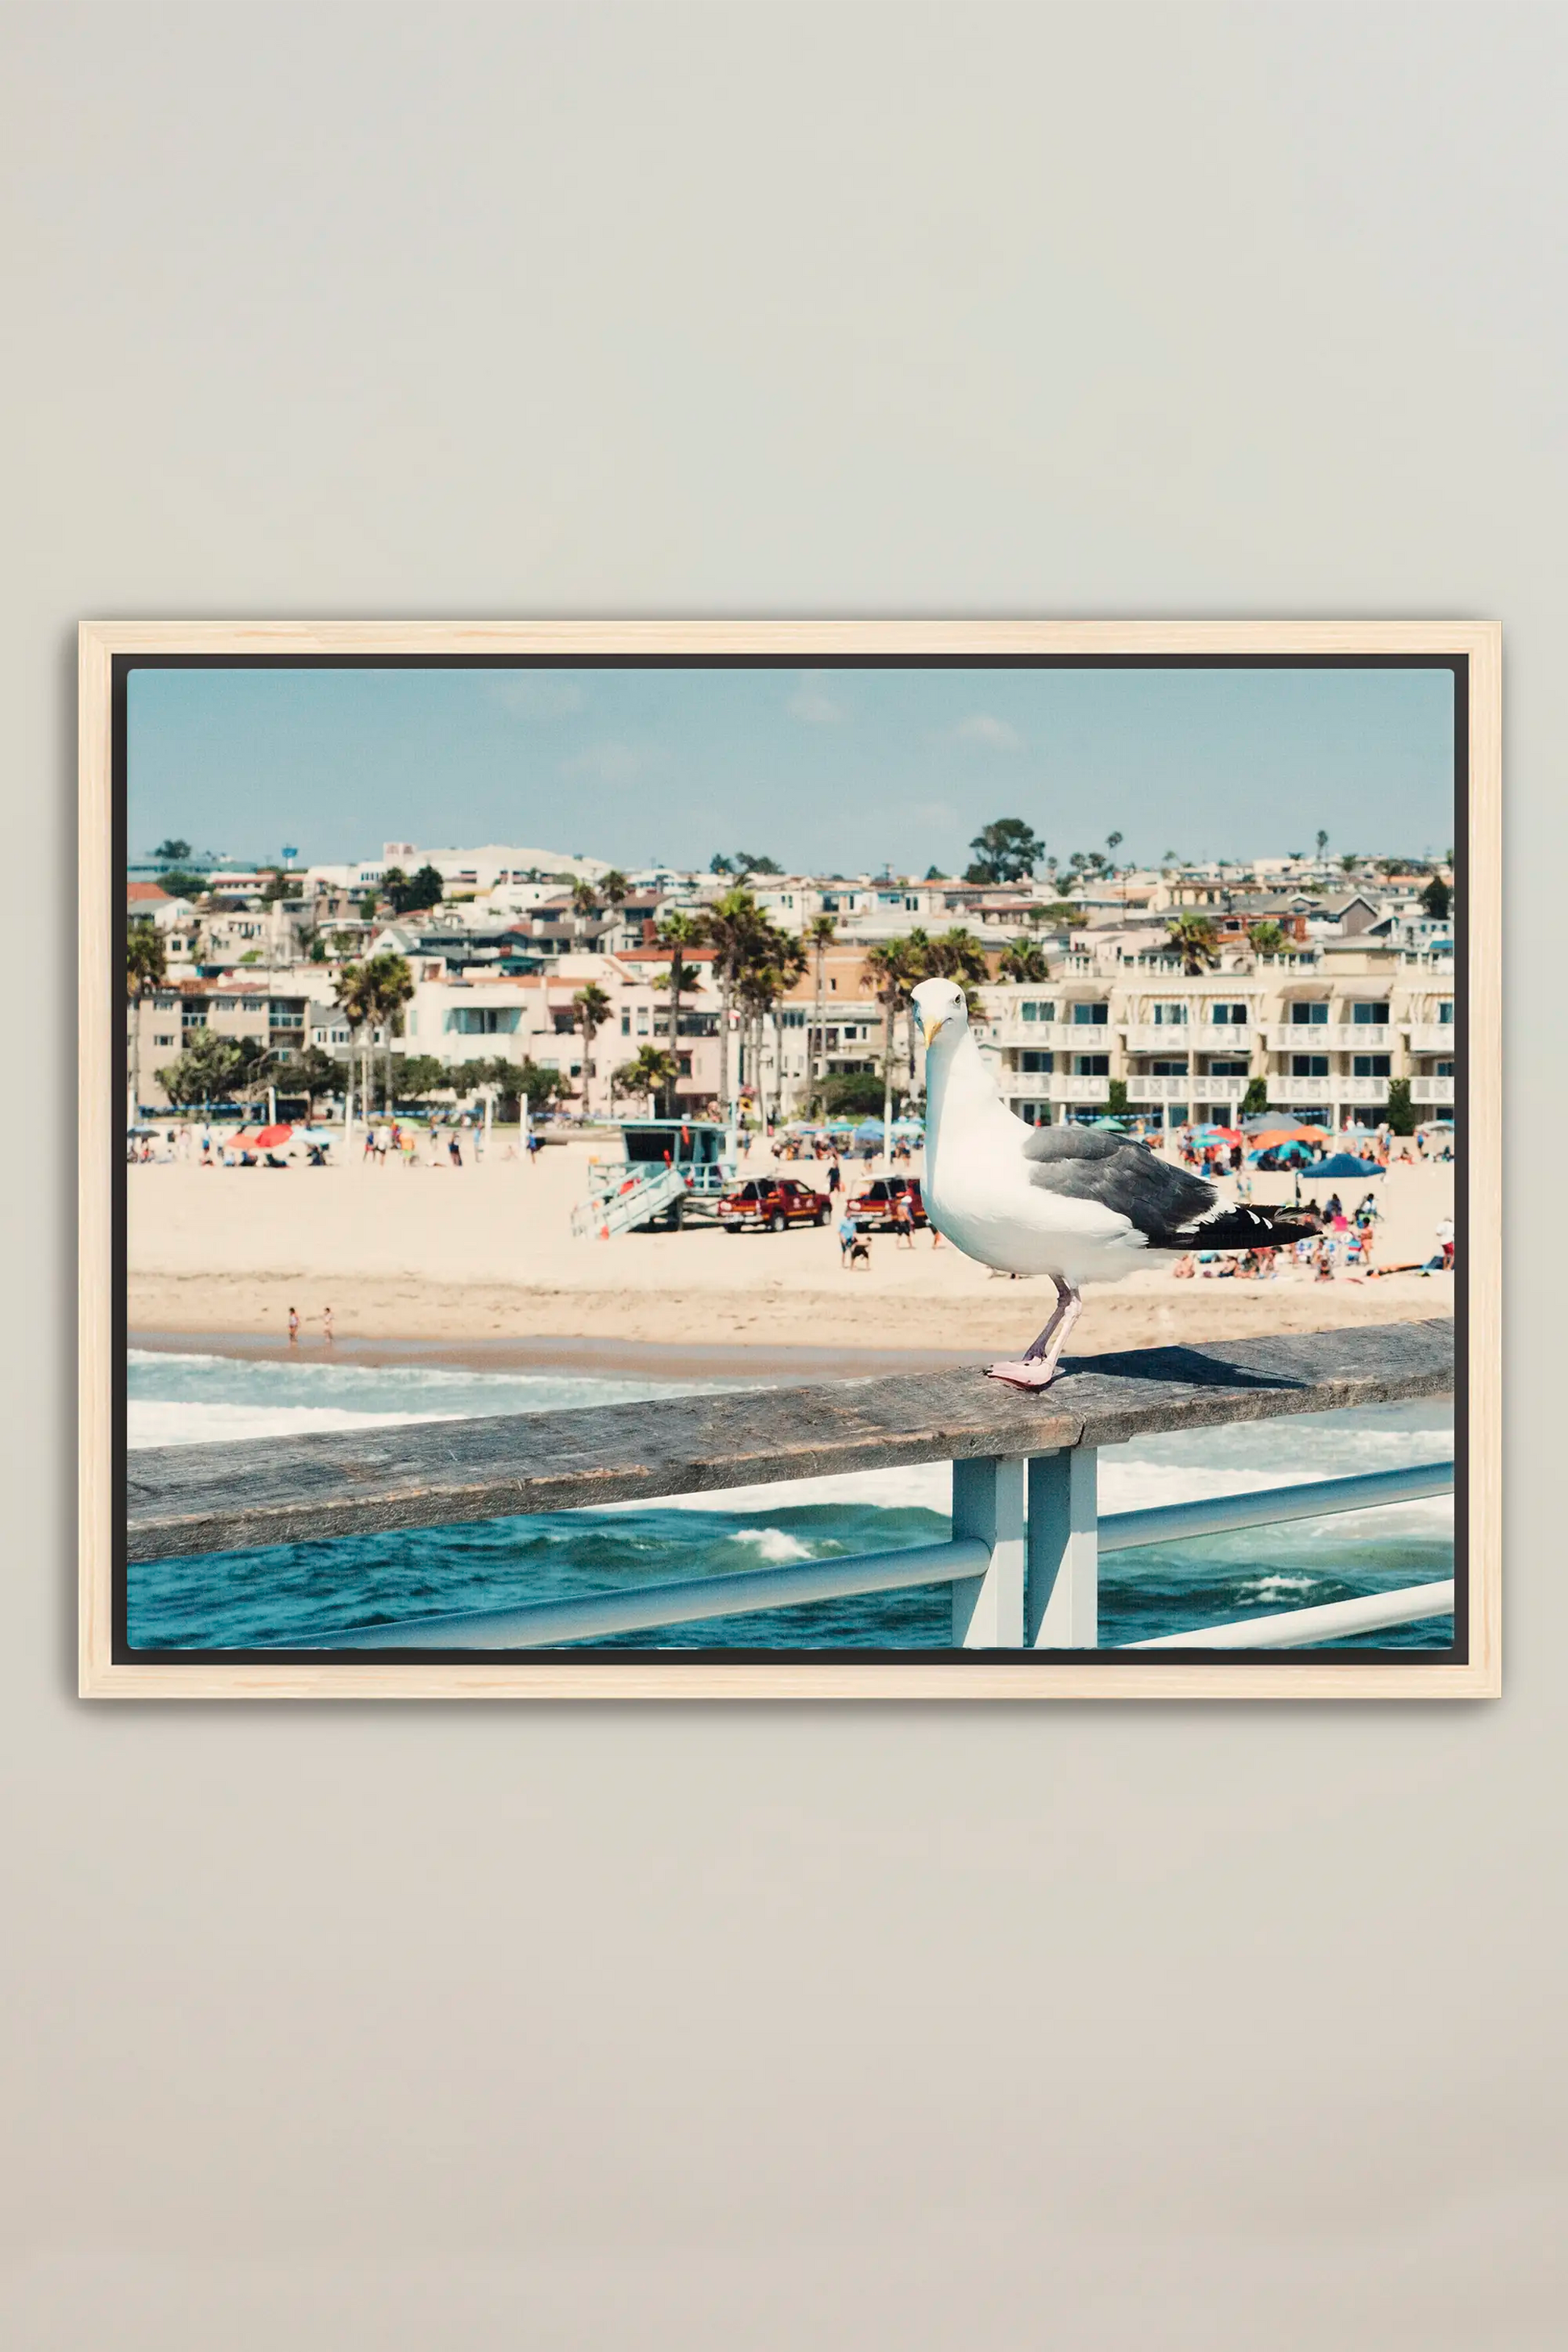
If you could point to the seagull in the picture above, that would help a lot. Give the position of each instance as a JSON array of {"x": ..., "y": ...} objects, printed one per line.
[{"x": 1077, "y": 1203}]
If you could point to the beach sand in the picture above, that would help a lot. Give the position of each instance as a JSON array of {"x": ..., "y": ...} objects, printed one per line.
[{"x": 485, "y": 1255}]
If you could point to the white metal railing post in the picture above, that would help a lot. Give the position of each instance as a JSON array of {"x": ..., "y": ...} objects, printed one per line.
[
  {"x": 988, "y": 1506},
  {"x": 1063, "y": 1587}
]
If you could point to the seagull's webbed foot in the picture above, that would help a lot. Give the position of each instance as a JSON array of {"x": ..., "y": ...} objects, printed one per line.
[{"x": 1028, "y": 1373}]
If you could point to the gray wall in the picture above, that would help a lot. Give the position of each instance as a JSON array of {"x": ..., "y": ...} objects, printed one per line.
[{"x": 677, "y": 2028}]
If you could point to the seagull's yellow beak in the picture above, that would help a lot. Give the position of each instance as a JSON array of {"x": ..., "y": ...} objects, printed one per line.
[{"x": 930, "y": 1024}]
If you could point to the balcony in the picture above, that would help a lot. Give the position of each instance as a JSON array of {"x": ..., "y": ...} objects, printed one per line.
[
  {"x": 1048, "y": 1086},
  {"x": 1432, "y": 1090},
  {"x": 1046, "y": 1037},
  {"x": 1432, "y": 1038},
  {"x": 1196, "y": 1087},
  {"x": 1332, "y": 1037},
  {"x": 1284, "y": 1090}
]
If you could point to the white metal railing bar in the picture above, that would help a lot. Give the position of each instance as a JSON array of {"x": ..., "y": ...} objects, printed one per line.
[
  {"x": 1300, "y": 1628},
  {"x": 545, "y": 1624},
  {"x": 1018, "y": 1580},
  {"x": 1313, "y": 1498}
]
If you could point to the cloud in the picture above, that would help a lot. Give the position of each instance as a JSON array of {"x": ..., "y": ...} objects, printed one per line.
[
  {"x": 538, "y": 694},
  {"x": 981, "y": 727},
  {"x": 608, "y": 763},
  {"x": 809, "y": 704}
]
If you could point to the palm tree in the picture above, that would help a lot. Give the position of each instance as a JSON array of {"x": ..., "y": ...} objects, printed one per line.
[
  {"x": 393, "y": 983},
  {"x": 887, "y": 973},
  {"x": 678, "y": 932},
  {"x": 144, "y": 971},
  {"x": 592, "y": 1009},
  {"x": 1195, "y": 941},
  {"x": 354, "y": 990},
  {"x": 730, "y": 926},
  {"x": 1267, "y": 940},
  {"x": 774, "y": 962},
  {"x": 957, "y": 954},
  {"x": 587, "y": 898},
  {"x": 653, "y": 1073},
  {"x": 614, "y": 887},
  {"x": 820, "y": 933},
  {"x": 1024, "y": 960}
]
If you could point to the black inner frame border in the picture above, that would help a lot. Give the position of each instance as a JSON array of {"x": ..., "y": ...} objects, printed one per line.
[{"x": 577, "y": 1654}]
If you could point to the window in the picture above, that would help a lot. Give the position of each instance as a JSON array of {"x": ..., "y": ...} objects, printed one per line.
[
  {"x": 793, "y": 1016},
  {"x": 1439, "y": 1069},
  {"x": 1091, "y": 1016},
  {"x": 1170, "y": 1016},
  {"x": 253, "y": 1004},
  {"x": 1091, "y": 1066},
  {"x": 684, "y": 1061},
  {"x": 1445, "y": 1013},
  {"x": 1309, "y": 1065},
  {"x": 1220, "y": 1068},
  {"x": 487, "y": 1020},
  {"x": 642, "y": 1020},
  {"x": 1309, "y": 1016},
  {"x": 1159, "y": 1069},
  {"x": 1369, "y": 1016},
  {"x": 1033, "y": 1114},
  {"x": 162, "y": 1041},
  {"x": 625, "y": 1021},
  {"x": 1228, "y": 1016},
  {"x": 1035, "y": 1008},
  {"x": 1028, "y": 1060},
  {"x": 1369, "y": 1066}
]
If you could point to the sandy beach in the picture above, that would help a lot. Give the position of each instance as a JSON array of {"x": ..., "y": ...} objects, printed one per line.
[{"x": 484, "y": 1254}]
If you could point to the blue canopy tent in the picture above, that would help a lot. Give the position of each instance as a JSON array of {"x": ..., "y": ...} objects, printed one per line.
[{"x": 1345, "y": 1163}]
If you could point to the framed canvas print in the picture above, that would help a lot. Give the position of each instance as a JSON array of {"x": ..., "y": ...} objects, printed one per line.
[{"x": 790, "y": 1159}]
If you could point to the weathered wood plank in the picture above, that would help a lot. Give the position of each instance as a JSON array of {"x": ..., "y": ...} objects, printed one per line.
[{"x": 200, "y": 1499}]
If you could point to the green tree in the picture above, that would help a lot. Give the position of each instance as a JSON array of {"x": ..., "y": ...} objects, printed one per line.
[
  {"x": 311, "y": 1073},
  {"x": 418, "y": 1075},
  {"x": 819, "y": 936},
  {"x": 1437, "y": 900},
  {"x": 172, "y": 852},
  {"x": 1267, "y": 940},
  {"x": 411, "y": 894},
  {"x": 211, "y": 1067},
  {"x": 679, "y": 932},
  {"x": 1323, "y": 843},
  {"x": 614, "y": 887},
  {"x": 886, "y": 973},
  {"x": 1022, "y": 960},
  {"x": 145, "y": 973},
  {"x": 957, "y": 954},
  {"x": 592, "y": 1009},
  {"x": 1116, "y": 1098},
  {"x": 731, "y": 927},
  {"x": 1007, "y": 850},
  {"x": 586, "y": 899},
  {"x": 1256, "y": 1098},
  {"x": 1195, "y": 941},
  {"x": 652, "y": 1072},
  {"x": 747, "y": 861},
  {"x": 184, "y": 882},
  {"x": 852, "y": 1094},
  {"x": 368, "y": 905},
  {"x": 393, "y": 982},
  {"x": 1401, "y": 1112},
  {"x": 774, "y": 962}
]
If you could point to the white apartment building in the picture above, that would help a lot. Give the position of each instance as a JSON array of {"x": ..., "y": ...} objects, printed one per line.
[{"x": 1325, "y": 1031}]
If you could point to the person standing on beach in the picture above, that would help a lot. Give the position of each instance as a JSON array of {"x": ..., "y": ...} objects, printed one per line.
[
  {"x": 326, "y": 1323},
  {"x": 835, "y": 1176},
  {"x": 454, "y": 1150},
  {"x": 293, "y": 1326}
]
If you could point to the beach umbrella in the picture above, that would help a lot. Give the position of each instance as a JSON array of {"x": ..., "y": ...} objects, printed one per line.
[
  {"x": 269, "y": 1137},
  {"x": 1345, "y": 1163}
]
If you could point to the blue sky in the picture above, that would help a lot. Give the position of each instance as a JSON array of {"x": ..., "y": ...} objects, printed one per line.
[{"x": 838, "y": 769}]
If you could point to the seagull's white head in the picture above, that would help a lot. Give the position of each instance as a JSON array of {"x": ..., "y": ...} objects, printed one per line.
[{"x": 941, "y": 1004}]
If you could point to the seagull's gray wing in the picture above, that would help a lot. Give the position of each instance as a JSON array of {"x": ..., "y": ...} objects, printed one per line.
[{"x": 1086, "y": 1163}]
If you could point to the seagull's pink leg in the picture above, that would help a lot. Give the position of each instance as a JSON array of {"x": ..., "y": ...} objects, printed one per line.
[{"x": 1036, "y": 1368}]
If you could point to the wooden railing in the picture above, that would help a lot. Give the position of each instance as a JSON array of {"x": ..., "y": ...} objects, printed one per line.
[{"x": 1023, "y": 1562}]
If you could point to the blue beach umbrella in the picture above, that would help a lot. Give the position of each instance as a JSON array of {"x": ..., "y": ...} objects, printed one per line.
[{"x": 1345, "y": 1163}]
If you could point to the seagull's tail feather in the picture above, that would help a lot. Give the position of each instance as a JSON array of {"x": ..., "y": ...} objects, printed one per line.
[{"x": 1243, "y": 1228}]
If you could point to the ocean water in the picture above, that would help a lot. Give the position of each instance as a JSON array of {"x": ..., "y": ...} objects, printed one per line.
[{"x": 290, "y": 1592}]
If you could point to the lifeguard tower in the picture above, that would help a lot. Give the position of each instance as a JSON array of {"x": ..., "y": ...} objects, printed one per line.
[{"x": 670, "y": 1169}]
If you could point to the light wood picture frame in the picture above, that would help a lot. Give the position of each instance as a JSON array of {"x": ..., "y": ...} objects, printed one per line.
[{"x": 1017, "y": 1571}]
